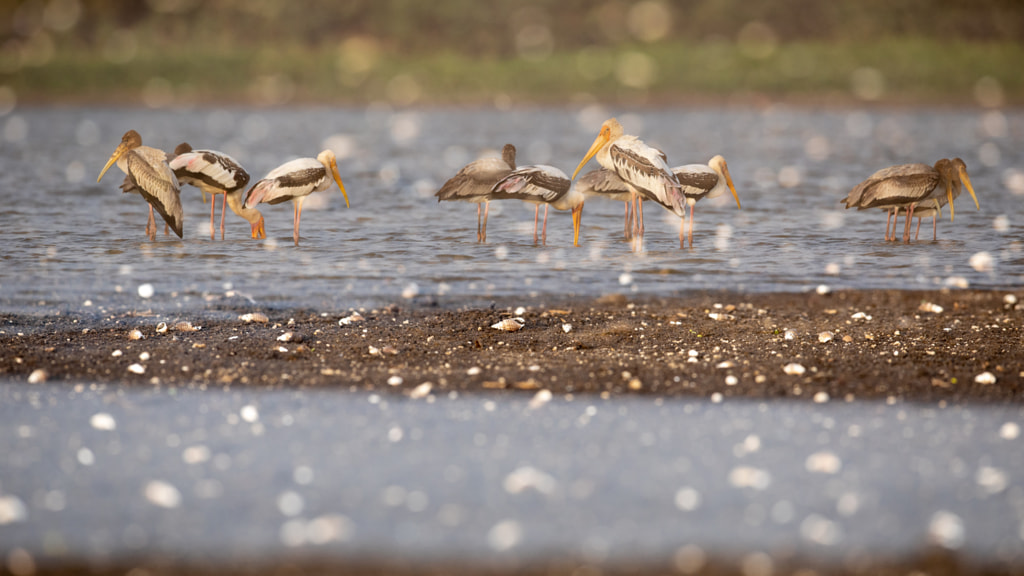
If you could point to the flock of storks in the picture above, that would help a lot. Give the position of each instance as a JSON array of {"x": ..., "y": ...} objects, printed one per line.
[{"x": 631, "y": 171}]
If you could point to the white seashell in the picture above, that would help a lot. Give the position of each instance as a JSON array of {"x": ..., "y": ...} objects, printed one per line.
[
  {"x": 161, "y": 328},
  {"x": 929, "y": 307},
  {"x": 116, "y": 353},
  {"x": 1010, "y": 299},
  {"x": 860, "y": 316},
  {"x": 421, "y": 391},
  {"x": 135, "y": 334},
  {"x": 790, "y": 335},
  {"x": 286, "y": 337},
  {"x": 720, "y": 317},
  {"x": 137, "y": 369},
  {"x": 725, "y": 364},
  {"x": 566, "y": 328},
  {"x": 731, "y": 380},
  {"x": 186, "y": 327},
  {"x": 374, "y": 350},
  {"x": 693, "y": 353},
  {"x": 395, "y": 381},
  {"x": 254, "y": 317},
  {"x": 144, "y": 356},
  {"x": 508, "y": 325},
  {"x": 351, "y": 319},
  {"x": 985, "y": 378},
  {"x": 825, "y": 336},
  {"x": 823, "y": 289},
  {"x": 520, "y": 311},
  {"x": 38, "y": 376},
  {"x": 794, "y": 369}
]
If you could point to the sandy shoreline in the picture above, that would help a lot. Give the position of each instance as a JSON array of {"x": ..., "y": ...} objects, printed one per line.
[{"x": 885, "y": 344}]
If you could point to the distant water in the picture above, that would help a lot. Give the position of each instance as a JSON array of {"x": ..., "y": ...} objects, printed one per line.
[{"x": 71, "y": 244}]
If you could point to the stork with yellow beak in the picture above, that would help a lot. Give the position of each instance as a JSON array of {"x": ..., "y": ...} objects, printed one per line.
[
  {"x": 151, "y": 176},
  {"x": 295, "y": 181},
  {"x": 643, "y": 168}
]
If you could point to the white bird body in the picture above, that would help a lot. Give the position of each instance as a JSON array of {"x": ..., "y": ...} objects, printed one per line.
[
  {"x": 643, "y": 168},
  {"x": 473, "y": 183},
  {"x": 213, "y": 173},
  {"x": 541, "y": 184},
  {"x": 149, "y": 175},
  {"x": 295, "y": 180}
]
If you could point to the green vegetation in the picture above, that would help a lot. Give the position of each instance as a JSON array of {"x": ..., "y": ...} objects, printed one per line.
[{"x": 267, "y": 52}]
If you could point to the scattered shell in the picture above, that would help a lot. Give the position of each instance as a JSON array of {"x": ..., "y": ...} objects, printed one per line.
[
  {"x": 421, "y": 391},
  {"x": 38, "y": 376},
  {"x": 520, "y": 311},
  {"x": 144, "y": 356},
  {"x": 725, "y": 364},
  {"x": 636, "y": 384},
  {"x": 373, "y": 350},
  {"x": 473, "y": 371},
  {"x": 288, "y": 337},
  {"x": 508, "y": 325},
  {"x": 731, "y": 380},
  {"x": 530, "y": 384},
  {"x": 254, "y": 317},
  {"x": 823, "y": 289},
  {"x": 186, "y": 327},
  {"x": 116, "y": 353},
  {"x": 389, "y": 350},
  {"x": 720, "y": 317},
  {"x": 161, "y": 328},
  {"x": 790, "y": 335},
  {"x": 282, "y": 349},
  {"x": 566, "y": 328},
  {"x": 693, "y": 353},
  {"x": 929, "y": 307},
  {"x": 847, "y": 338},
  {"x": 985, "y": 378},
  {"x": 137, "y": 368},
  {"x": 825, "y": 336},
  {"x": 860, "y": 316},
  {"x": 1010, "y": 299},
  {"x": 395, "y": 381},
  {"x": 821, "y": 397},
  {"x": 351, "y": 319},
  {"x": 135, "y": 334},
  {"x": 794, "y": 369}
]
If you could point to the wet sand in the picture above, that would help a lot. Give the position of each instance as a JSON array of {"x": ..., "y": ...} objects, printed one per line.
[{"x": 884, "y": 345}]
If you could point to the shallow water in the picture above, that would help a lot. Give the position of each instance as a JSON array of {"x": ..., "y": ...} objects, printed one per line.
[
  {"x": 74, "y": 245},
  {"x": 105, "y": 473}
]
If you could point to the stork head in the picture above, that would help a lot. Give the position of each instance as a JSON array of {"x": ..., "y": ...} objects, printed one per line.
[
  {"x": 610, "y": 130},
  {"x": 718, "y": 165},
  {"x": 129, "y": 142},
  {"x": 330, "y": 162},
  {"x": 961, "y": 172},
  {"x": 183, "y": 148},
  {"x": 508, "y": 154}
]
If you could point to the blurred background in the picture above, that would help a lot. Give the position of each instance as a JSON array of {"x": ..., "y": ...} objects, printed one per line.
[{"x": 167, "y": 53}]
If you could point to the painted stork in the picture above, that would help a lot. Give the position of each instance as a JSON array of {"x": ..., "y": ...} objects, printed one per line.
[
  {"x": 547, "y": 185},
  {"x": 643, "y": 168},
  {"x": 295, "y": 181},
  {"x": 473, "y": 183},
  {"x": 701, "y": 181},
  {"x": 933, "y": 207},
  {"x": 908, "y": 186},
  {"x": 213, "y": 173},
  {"x": 603, "y": 183},
  {"x": 150, "y": 176}
]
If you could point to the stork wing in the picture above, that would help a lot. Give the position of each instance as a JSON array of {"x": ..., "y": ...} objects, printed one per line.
[
  {"x": 856, "y": 197},
  {"x": 697, "y": 180},
  {"x": 532, "y": 183},
  {"x": 601, "y": 181},
  {"x": 645, "y": 168},
  {"x": 156, "y": 182},
  {"x": 214, "y": 169}
]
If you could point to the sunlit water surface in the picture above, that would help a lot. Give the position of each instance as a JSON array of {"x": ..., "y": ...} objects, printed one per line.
[{"x": 69, "y": 243}]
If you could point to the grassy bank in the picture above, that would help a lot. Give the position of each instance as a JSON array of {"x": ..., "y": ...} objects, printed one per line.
[{"x": 904, "y": 70}]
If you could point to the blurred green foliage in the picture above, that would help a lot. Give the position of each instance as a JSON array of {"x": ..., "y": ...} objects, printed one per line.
[{"x": 408, "y": 51}]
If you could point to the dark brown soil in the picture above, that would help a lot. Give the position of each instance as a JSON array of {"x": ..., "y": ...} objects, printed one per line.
[{"x": 614, "y": 345}]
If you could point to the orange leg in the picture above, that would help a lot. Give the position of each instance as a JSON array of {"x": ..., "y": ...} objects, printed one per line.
[
  {"x": 213, "y": 207},
  {"x": 536, "y": 212},
  {"x": 298, "y": 216},
  {"x": 223, "y": 205}
]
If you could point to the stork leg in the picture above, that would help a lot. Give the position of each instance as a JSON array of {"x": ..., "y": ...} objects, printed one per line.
[
  {"x": 888, "y": 220},
  {"x": 298, "y": 216},
  {"x": 640, "y": 210},
  {"x": 151, "y": 225},
  {"x": 544, "y": 234},
  {"x": 625, "y": 226},
  {"x": 487, "y": 208},
  {"x": 223, "y": 206},
  {"x": 918, "y": 233},
  {"x": 213, "y": 210},
  {"x": 536, "y": 212},
  {"x": 906, "y": 225},
  {"x": 935, "y": 233},
  {"x": 690, "y": 231}
]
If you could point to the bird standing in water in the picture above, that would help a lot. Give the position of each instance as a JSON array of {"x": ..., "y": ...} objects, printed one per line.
[
  {"x": 214, "y": 173},
  {"x": 150, "y": 176},
  {"x": 473, "y": 183}
]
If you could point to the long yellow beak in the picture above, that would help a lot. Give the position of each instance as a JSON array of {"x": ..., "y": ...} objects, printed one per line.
[
  {"x": 337, "y": 178},
  {"x": 121, "y": 150},
  {"x": 258, "y": 232},
  {"x": 967, "y": 182},
  {"x": 599, "y": 142},
  {"x": 949, "y": 197},
  {"x": 577, "y": 219},
  {"x": 728, "y": 180}
]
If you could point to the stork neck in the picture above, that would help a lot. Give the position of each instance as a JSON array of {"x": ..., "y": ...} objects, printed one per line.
[{"x": 234, "y": 200}]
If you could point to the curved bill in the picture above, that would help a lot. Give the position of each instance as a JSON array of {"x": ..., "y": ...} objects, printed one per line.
[
  {"x": 728, "y": 180},
  {"x": 337, "y": 178},
  {"x": 121, "y": 150},
  {"x": 967, "y": 182},
  {"x": 600, "y": 141},
  {"x": 949, "y": 200},
  {"x": 577, "y": 219},
  {"x": 258, "y": 232}
]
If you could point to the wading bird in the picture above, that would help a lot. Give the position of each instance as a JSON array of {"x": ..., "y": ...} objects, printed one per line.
[
  {"x": 701, "y": 181},
  {"x": 547, "y": 185},
  {"x": 151, "y": 177},
  {"x": 213, "y": 173},
  {"x": 474, "y": 181},
  {"x": 933, "y": 207},
  {"x": 295, "y": 181},
  {"x": 603, "y": 183},
  {"x": 643, "y": 168},
  {"x": 907, "y": 186}
]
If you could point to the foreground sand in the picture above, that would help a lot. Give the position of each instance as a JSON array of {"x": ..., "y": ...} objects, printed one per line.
[{"x": 884, "y": 344}]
